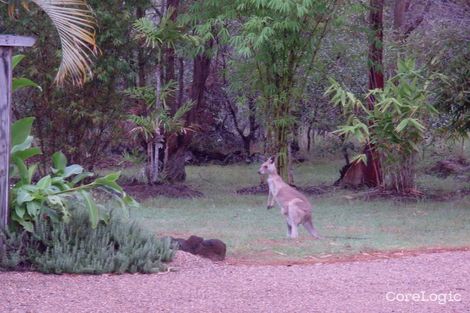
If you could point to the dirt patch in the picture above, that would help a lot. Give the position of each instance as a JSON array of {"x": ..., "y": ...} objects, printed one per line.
[
  {"x": 269, "y": 257},
  {"x": 452, "y": 166},
  {"x": 144, "y": 191},
  {"x": 309, "y": 190}
]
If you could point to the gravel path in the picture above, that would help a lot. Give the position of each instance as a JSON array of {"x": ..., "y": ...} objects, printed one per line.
[{"x": 200, "y": 286}]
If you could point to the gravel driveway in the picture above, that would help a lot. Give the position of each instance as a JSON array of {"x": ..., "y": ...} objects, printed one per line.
[{"x": 200, "y": 286}]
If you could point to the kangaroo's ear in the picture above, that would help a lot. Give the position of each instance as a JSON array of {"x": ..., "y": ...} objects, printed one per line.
[{"x": 272, "y": 159}]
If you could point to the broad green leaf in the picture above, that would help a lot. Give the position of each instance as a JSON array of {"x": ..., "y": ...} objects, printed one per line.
[
  {"x": 31, "y": 171},
  {"x": 28, "y": 226},
  {"x": 23, "y": 196},
  {"x": 30, "y": 188},
  {"x": 16, "y": 59},
  {"x": 27, "y": 153},
  {"x": 74, "y": 169},
  {"x": 20, "y": 130},
  {"x": 20, "y": 211},
  {"x": 44, "y": 182},
  {"x": 129, "y": 201},
  {"x": 26, "y": 144},
  {"x": 110, "y": 181},
  {"x": 33, "y": 208},
  {"x": 23, "y": 171},
  {"x": 80, "y": 177},
  {"x": 59, "y": 161},
  {"x": 92, "y": 208},
  {"x": 19, "y": 83}
]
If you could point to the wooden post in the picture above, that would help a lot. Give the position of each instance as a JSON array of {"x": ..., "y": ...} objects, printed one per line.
[{"x": 7, "y": 43}]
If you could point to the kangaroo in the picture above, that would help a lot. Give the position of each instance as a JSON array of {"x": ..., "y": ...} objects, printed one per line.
[{"x": 294, "y": 206}]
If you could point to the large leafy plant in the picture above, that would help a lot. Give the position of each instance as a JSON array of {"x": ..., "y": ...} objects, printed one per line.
[
  {"x": 157, "y": 126},
  {"x": 53, "y": 194},
  {"x": 395, "y": 125}
]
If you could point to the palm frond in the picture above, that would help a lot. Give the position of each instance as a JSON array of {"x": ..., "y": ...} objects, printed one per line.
[{"x": 76, "y": 25}]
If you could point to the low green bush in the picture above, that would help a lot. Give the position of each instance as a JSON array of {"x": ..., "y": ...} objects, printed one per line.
[{"x": 118, "y": 246}]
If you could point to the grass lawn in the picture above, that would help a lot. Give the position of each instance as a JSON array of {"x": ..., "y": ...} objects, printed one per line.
[{"x": 253, "y": 233}]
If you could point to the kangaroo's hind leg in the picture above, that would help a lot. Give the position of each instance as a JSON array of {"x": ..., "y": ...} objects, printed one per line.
[
  {"x": 311, "y": 229},
  {"x": 294, "y": 233},
  {"x": 289, "y": 228}
]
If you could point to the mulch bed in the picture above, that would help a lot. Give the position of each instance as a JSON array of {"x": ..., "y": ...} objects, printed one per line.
[{"x": 144, "y": 191}]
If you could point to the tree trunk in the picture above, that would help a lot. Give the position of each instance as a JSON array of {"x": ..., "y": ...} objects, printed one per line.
[
  {"x": 141, "y": 62},
  {"x": 247, "y": 145},
  {"x": 281, "y": 132},
  {"x": 180, "y": 82},
  {"x": 170, "y": 60},
  {"x": 375, "y": 55},
  {"x": 178, "y": 145},
  {"x": 149, "y": 170},
  {"x": 309, "y": 138},
  {"x": 372, "y": 171}
]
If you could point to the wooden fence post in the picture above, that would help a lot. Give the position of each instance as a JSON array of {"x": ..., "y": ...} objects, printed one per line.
[{"x": 7, "y": 43}]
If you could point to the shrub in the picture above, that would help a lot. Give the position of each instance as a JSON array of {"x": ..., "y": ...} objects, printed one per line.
[
  {"x": 118, "y": 246},
  {"x": 53, "y": 193},
  {"x": 395, "y": 125}
]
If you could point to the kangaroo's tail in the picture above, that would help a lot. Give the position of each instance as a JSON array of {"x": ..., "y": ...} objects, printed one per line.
[{"x": 311, "y": 229}]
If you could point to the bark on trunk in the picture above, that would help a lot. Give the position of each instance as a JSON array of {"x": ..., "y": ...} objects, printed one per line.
[
  {"x": 309, "y": 138},
  {"x": 178, "y": 145},
  {"x": 373, "y": 171},
  {"x": 170, "y": 59},
  {"x": 149, "y": 169},
  {"x": 180, "y": 82},
  {"x": 141, "y": 62}
]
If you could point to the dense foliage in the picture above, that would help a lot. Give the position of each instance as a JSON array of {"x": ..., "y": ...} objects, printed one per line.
[
  {"x": 53, "y": 194},
  {"x": 118, "y": 246},
  {"x": 395, "y": 126},
  {"x": 255, "y": 72}
]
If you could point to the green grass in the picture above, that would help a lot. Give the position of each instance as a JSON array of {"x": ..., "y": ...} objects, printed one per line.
[{"x": 254, "y": 233}]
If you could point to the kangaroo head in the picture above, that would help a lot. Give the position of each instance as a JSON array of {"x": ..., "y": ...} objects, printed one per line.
[{"x": 268, "y": 167}]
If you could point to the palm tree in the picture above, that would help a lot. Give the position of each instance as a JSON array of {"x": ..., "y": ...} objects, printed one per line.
[{"x": 76, "y": 25}]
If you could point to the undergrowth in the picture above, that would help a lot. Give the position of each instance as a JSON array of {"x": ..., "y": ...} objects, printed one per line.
[{"x": 118, "y": 246}]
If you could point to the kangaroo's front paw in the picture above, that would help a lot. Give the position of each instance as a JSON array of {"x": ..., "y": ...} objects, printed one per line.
[{"x": 270, "y": 207}]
